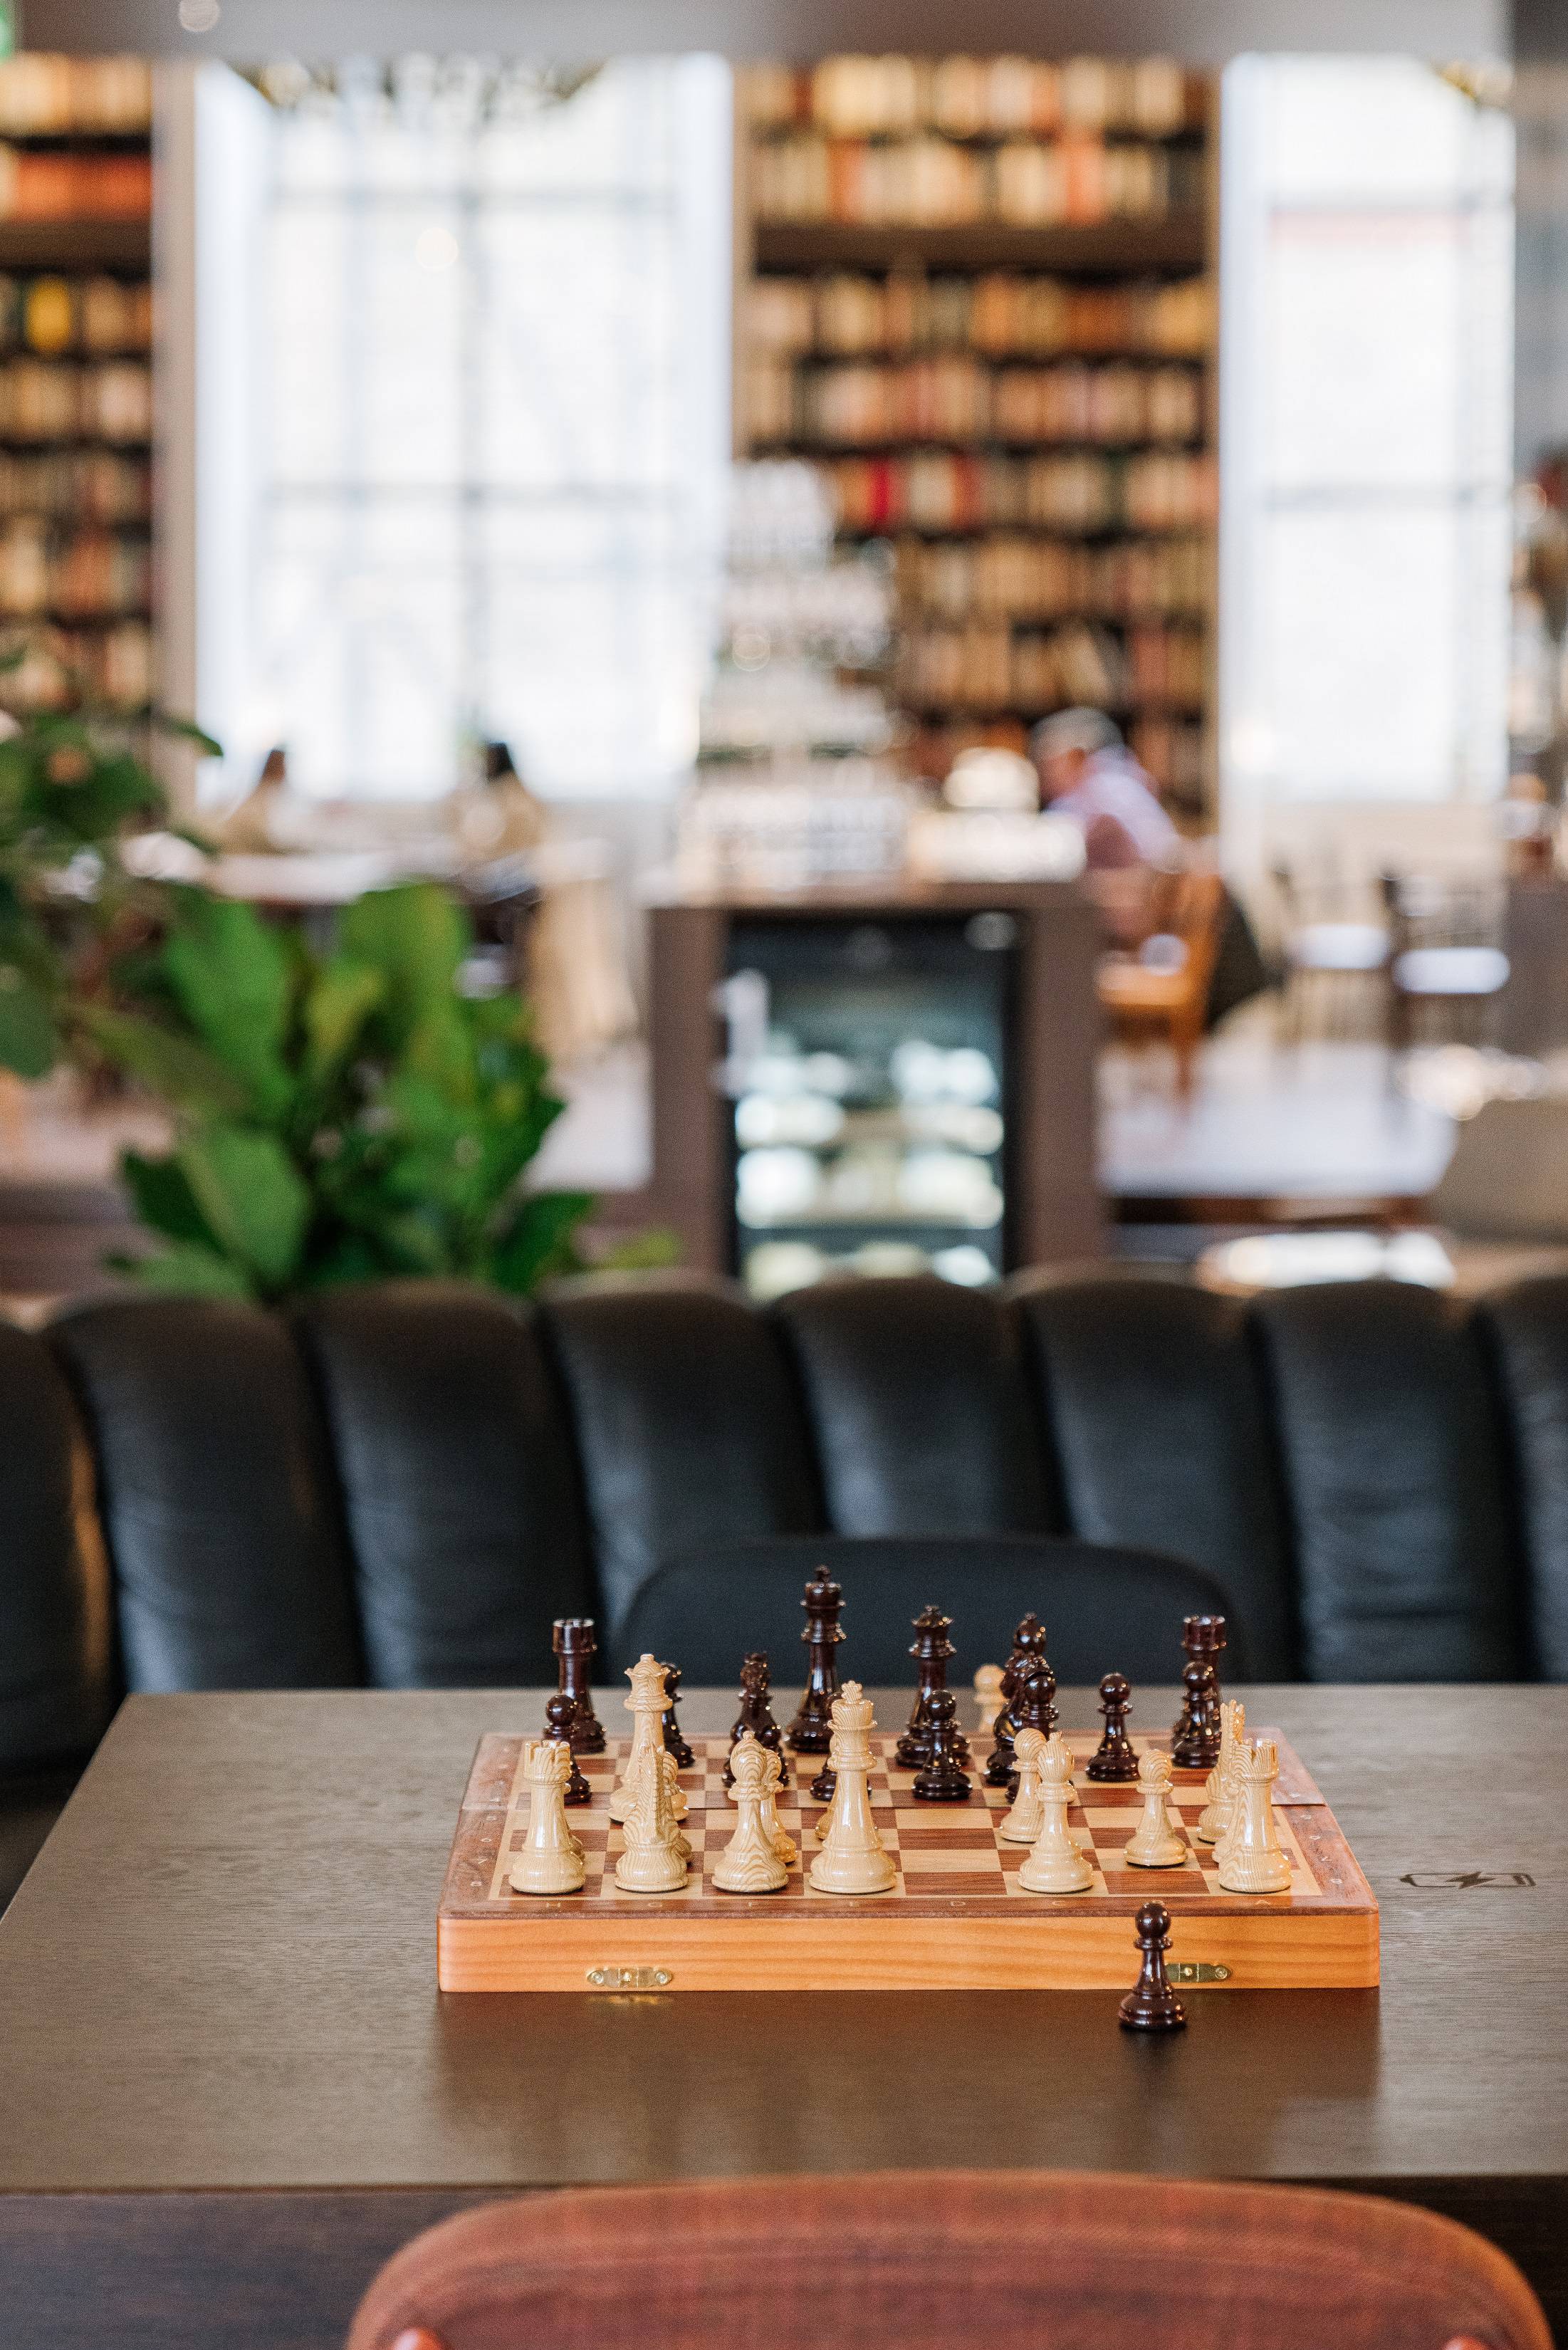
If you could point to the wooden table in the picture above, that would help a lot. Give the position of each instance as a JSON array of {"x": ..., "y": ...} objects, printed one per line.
[{"x": 228, "y": 2086}]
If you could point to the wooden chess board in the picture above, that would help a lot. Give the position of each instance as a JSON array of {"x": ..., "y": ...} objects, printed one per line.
[{"x": 956, "y": 1920}]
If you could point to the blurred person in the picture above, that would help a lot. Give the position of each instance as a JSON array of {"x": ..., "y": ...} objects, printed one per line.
[{"x": 1087, "y": 773}]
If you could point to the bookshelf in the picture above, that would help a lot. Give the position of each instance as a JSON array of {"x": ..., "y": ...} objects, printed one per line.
[
  {"x": 76, "y": 393},
  {"x": 979, "y": 293}
]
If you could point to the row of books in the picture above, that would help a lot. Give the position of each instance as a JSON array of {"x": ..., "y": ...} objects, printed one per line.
[
  {"x": 62, "y": 666},
  {"x": 55, "y": 399},
  {"x": 52, "y": 187},
  {"x": 1014, "y": 577},
  {"x": 977, "y": 97},
  {"x": 984, "y": 666},
  {"x": 83, "y": 574},
  {"x": 1114, "y": 404},
  {"x": 1170, "y": 748},
  {"x": 80, "y": 485},
  {"x": 1073, "y": 182},
  {"x": 97, "y": 314},
  {"x": 843, "y": 315},
  {"x": 940, "y": 491},
  {"x": 43, "y": 95}
]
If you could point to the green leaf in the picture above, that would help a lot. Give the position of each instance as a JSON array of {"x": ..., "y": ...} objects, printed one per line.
[
  {"x": 188, "y": 1269},
  {"x": 185, "y": 730},
  {"x": 186, "y": 1075},
  {"x": 233, "y": 977},
  {"x": 540, "y": 1240},
  {"x": 341, "y": 998},
  {"x": 416, "y": 936},
  {"x": 163, "y": 1198},
  {"x": 29, "y": 1041},
  {"x": 251, "y": 1196}
]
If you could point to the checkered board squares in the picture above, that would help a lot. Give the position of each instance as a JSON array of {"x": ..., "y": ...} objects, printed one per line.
[{"x": 941, "y": 1851}]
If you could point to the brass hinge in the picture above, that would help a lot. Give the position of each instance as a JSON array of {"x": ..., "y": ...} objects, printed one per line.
[
  {"x": 629, "y": 1978},
  {"x": 1187, "y": 1971}
]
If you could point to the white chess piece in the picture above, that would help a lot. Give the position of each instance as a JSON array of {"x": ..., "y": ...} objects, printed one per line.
[
  {"x": 656, "y": 1853},
  {"x": 852, "y": 1858},
  {"x": 752, "y": 1862},
  {"x": 1220, "y": 1787},
  {"x": 1055, "y": 1865},
  {"x": 1253, "y": 1861},
  {"x": 1153, "y": 1843},
  {"x": 1022, "y": 1824},
  {"x": 988, "y": 1694},
  {"x": 551, "y": 1859},
  {"x": 646, "y": 1706}
]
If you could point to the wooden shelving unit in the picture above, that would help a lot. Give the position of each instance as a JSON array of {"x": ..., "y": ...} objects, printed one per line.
[
  {"x": 75, "y": 421},
  {"x": 1022, "y": 406}
]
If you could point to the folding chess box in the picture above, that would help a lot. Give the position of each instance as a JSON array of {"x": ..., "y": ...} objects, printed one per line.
[{"x": 957, "y": 1918}]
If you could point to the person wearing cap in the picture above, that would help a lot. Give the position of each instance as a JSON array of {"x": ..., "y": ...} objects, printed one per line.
[{"x": 1087, "y": 773}]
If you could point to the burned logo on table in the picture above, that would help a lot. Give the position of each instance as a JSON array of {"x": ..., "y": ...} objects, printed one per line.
[{"x": 1464, "y": 1880}]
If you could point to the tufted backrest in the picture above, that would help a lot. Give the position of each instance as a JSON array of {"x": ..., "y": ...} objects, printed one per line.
[{"x": 404, "y": 1485}]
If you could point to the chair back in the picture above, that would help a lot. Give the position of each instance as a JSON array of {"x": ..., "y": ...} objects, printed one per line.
[
  {"x": 921, "y": 2260},
  {"x": 1104, "y": 1609}
]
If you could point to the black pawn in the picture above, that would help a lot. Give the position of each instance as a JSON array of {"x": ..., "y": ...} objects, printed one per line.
[
  {"x": 1151, "y": 2005},
  {"x": 559, "y": 1715},
  {"x": 1028, "y": 1645},
  {"x": 674, "y": 1744},
  {"x": 756, "y": 1715},
  {"x": 574, "y": 1646},
  {"x": 1035, "y": 1707},
  {"x": 825, "y": 1786},
  {"x": 1195, "y": 1741},
  {"x": 1113, "y": 1759},
  {"x": 943, "y": 1779}
]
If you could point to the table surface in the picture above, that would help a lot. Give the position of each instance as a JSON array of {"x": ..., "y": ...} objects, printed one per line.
[{"x": 221, "y": 1972}]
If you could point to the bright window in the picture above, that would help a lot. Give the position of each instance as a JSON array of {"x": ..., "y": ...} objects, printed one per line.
[
  {"x": 1365, "y": 436},
  {"x": 479, "y": 482}
]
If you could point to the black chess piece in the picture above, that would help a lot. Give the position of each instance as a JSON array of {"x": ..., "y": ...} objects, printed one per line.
[
  {"x": 1028, "y": 1645},
  {"x": 673, "y": 1741},
  {"x": 756, "y": 1715},
  {"x": 1033, "y": 1708},
  {"x": 1195, "y": 1741},
  {"x": 825, "y": 1786},
  {"x": 943, "y": 1779},
  {"x": 575, "y": 1645},
  {"x": 1113, "y": 1759},
  {"x": 811, "y": 1732},
  {"x": 559, "y": 1716},
  {"x": 1151, "y": 2005},
  {"x": 930, "y": 1649}
]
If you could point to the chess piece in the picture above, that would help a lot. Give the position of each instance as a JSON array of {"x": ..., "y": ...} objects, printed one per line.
[
  {"x": 752, "y": 1862},
  {"x": 852, "y": 1859},
  {"x": 1151, "y": 2005},
  {"x": 1220, "y": 1787},
  {"x": 757, "y": 1714},
  {"x": 1034, "y": 1706},
  {"x": 811, "y": 1732},
  {"x": 1113, "y": 1761},
  {"x": 559, "y": 1716},
  {"x": 1028, "y": 1647},
  {"x": 1195, "y": 1741},
  {"x": 930, "y": 1649},
  {"x": 674, "y": 1742},
  {"x": 656, "y": 1853},
  {"x": 573, "y": 1643},
  {"x": 1022, "y": 1824},
  {"x": 943, "y": 1779},
  {"x": 1055, "y": 1864},
  {"x": 988, "y": 1695},
  {"x": 1253, "y": 1861},
  {"x": 551, "y": 1859},
  {"x": 1153, "y": 1843},
  {"x": 646, "y": 1706}
]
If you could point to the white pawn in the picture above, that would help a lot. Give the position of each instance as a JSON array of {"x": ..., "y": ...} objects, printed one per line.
[
  {"x": 656, "y": 1853},
  {"x": 1055, "y": 1865},
  {"x": 1252, "y": 1860},
  {"x": 852, "y": 1859},
  {"x": 551, "y": 1860},
  {"x": 1220, "y": 1787},
  {"x": 752, "y": 1861},
  {"x": 988, "y": 1694},
  {"x": 1154, "y": 1843},
  {"x": 646, "y": 1706},
  {"x": 1022, "y": 1824}
]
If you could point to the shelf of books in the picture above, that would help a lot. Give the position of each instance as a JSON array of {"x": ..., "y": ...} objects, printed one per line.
[
  {"x": 75, "y": 391},
  {"x": 979, "y": 293}
]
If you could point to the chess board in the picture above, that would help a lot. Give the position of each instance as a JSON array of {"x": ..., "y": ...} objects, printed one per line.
[{"x": 957, "y": 1918}]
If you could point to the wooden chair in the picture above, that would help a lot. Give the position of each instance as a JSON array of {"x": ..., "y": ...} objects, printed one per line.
[
  {"x": 1154, "y": 995},
  {"x": 1446, "y": 961},
  {"x": 1328, "y": 963},
  {"x": 920, "y": 2260}
]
